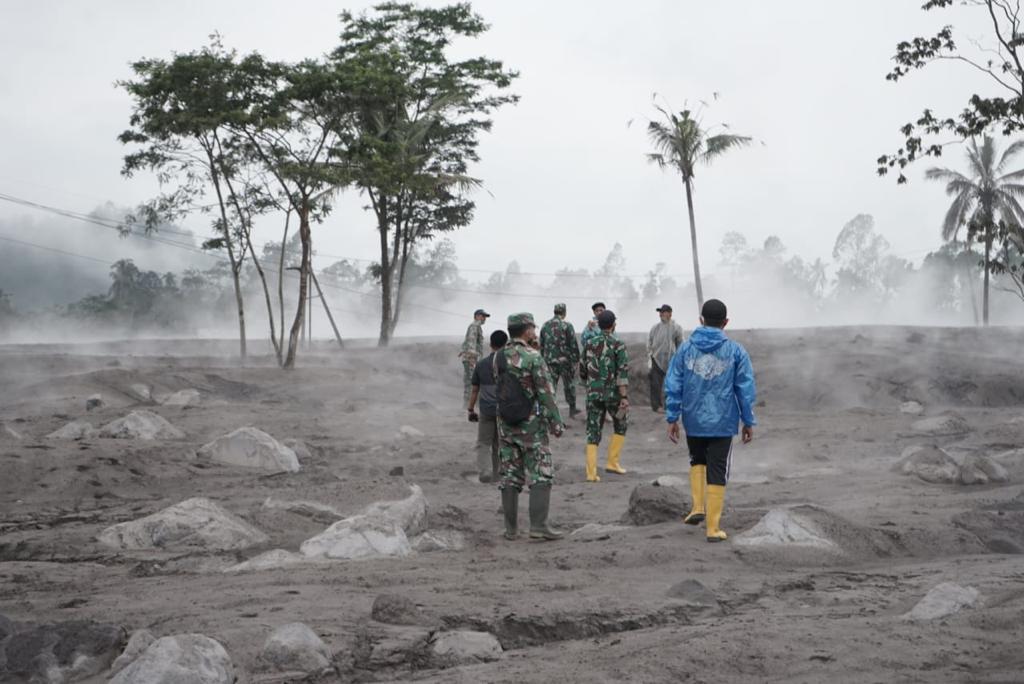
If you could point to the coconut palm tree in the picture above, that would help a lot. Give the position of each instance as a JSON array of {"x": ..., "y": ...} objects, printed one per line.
[
  {"x": 682, "y": 143},
  {"x": 983, "y": 199}
]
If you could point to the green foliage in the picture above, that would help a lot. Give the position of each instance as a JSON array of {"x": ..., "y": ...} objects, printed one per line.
[{"x": 682, "y": 142}]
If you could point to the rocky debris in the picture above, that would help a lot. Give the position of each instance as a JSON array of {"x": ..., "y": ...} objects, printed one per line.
[
  {"x": 929, "y": 463},
  {"x": 943, "y": 600},
  {"x": 57, "y": 653},
  {"x": 359, "y": 537},
  {"x": 300, "y": 448},
  {"x": 1000, "y": 530},
  {"x": 694, "y": 593},
  {"x": 76, "y": 429},
  {"x": 393, "y": 609},
  {"x": 308, "y": 509},
  {"x": 672, "y": 481},
  {"x": 197, "y": 523},
  {"x": 439, "y": 540},
  {"x": 650, "y": 504},
  {"x": 182, "y": 398},
  {"x": 911, "y": 408},
  {"x": 138, "y": 642},
  {"x": 251, "y": 448},
  {"x": 180, "y": 659},
  {"x": 463, "y": 647},
  {"x": 397, "y": 471},
  {"x": 397, "y": 647},
  {"x": 595, "y": 532},
  {"x": 978, "y": 469},
  {"x": 410, "y": 431},
  {"x": 141, "y": 425},
  {"x": 94, "y": 402},
  {"x": 410, "y": 512},
  {"x": 268, "y": 560},
  {"x": 947, "y": 424},
  {"x": 782, "y": 527},
  {"x": 295, "y": 647}
]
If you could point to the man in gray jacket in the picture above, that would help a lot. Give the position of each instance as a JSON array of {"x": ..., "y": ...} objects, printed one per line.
[{"x": 665, "y": 337}]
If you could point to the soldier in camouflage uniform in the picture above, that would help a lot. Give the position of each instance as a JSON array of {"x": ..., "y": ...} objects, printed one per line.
[
  {"x": 472, "y": 350},
  {"x": 604, "y": 369},
  {"x": 524, "y": 453},
  {"x": 561, "y": 353}
]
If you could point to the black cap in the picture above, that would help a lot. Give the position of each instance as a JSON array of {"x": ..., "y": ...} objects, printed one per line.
[
  {"x": 597, "y": 304},
  {"x": 664, "y": 307},
  {"x": 605, "y": 319},
  {"x": 713, "y": 311},
  {"x": 481, "y": 312}
]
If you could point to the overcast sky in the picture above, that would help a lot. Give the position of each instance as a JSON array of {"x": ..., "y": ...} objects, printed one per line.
[{"x": 567, "y": 175}]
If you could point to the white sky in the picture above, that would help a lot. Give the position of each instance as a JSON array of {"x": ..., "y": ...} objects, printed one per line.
[{"x": 568, "y": 177}]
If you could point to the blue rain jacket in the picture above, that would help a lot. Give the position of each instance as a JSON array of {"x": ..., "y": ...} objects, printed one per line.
[{"x": 710, "y": 383}]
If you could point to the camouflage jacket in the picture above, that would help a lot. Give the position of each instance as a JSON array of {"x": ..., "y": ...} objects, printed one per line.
[
  {"x": 604, "y": 366},
  {"x": 528, "y": 366},
  {"x": 473, "y": 345},
  {"x": 558, "y": 343}
]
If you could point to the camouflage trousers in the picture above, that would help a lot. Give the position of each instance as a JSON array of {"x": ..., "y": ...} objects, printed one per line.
[
  {"x": 597, "y": 407},
  {"x": 524, "y": 454},
  {"x": 468, "y": 366},
  {"x": 567, "y": 374}
]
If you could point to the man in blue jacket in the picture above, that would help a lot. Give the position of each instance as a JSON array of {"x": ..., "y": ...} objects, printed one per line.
[{"x": 710, "y": 383}]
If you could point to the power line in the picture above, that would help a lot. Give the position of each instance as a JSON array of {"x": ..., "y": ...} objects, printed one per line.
[{"x": 105, "y": 262}]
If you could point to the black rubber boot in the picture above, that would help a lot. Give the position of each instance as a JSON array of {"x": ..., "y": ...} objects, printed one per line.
[
  {"x": 510, "y": 507},
  {"x": 540, "y": 504},
  {"x": 573, "y": 411}
]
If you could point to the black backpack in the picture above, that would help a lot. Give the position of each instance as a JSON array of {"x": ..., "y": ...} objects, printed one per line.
[{"x": 514, "y": 406}]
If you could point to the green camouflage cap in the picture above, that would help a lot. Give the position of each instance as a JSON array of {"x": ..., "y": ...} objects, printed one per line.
[
  {"x": 559, "y": 308},
  {"x": 521, "y": 319}
]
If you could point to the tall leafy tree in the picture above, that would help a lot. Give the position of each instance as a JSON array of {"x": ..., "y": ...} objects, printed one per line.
[
  {"x": 682, "y": 143},
  {"x": 419, "y": 116},
  {"x": 985, "y": 200}
]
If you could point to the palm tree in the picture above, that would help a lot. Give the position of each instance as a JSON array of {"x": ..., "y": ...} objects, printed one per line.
[
  {"x": 681, "y": 143},
  {"x": 984, "y": 200}
]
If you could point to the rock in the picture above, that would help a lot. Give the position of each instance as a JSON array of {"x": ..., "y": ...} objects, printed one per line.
[
  {"x": 948, "y": 424},
  {"x": 309, "y": 509},
  {"x": 929, "y": 463},
  {"x": 392, "y": 609},
  {"x": 463, "y": 647},
  {"x": 398, "y": 647},
  {"x": 650, "y": 504},
  {"x": 76, "y": 429},
  {"x": 410, "y": 512},
  {"x": 197, "y": 522},
  {"x": 357, "y": 538},
  {"x": 410, "y": 431},
  {"x": 439, "y": 540},
  {"x": 595, "y": 531},
  {"x": 785, "y": 528},
  {"x": 295, "y": 647},
  {"x": 182, "y": 398},
  {"x": 251, "y": 448},
  {"x": 672, "y": 481},
  {"x": 57, "y": 653},
  {"x": 141, "y": 391},
  {"x": 694, "y": 593},
  {"x": 978, "y": 469},
  {"x": 911, "y": 408},
  {"x": 300, "y": 448},
  {"x": 943, "y": 600},
  {"x": 141, "y": 425},
  {"x": 94, "y": 402},
  {"x": 180, "y": 659},
  {"x": 268, "y": 560},
  {"x": 397, "y": 471},
  {"x": 138, "y": 642}
]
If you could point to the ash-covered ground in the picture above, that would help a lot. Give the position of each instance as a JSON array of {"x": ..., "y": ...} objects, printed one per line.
[{"x": 838, "y": 528}]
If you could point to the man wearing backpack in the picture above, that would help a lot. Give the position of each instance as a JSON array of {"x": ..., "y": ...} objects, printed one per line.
[
  {"x": 710, "y": 383},
  {"x": 526, "y": 405},
  {"x": 487, "y": 419},
  {"x": 604, "y": 369}
]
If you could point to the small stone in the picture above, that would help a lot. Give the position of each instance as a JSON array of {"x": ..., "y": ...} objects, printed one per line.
[
  {"x": 650, "y": 504},
  {"x": 94, "y": 402},
  {"x": 463, "y": 647},
  {"x": 595, "y": 532},
  {"x": 144, "y": 425},
  {"x": 141, "y": 391},
  {"x": 180, "y": 659},
  {"x": 911, "y": 408},
  {"x": 295, "y": 647},
  {"x": 182, "y": 398},
  {"x": 943, "y": 600},
  {"x": 397, "y": 471},
  {"x": 392, "y": 609},
  {"x": 410, "y": 431}
]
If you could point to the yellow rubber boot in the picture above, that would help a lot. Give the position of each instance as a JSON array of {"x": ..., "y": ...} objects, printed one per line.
[
  {"x": 614, "y": 452},
  {"x": 698, "y": 484},
  {"x": 592, "y": 463},
  {"x": 715, "y": 503}
]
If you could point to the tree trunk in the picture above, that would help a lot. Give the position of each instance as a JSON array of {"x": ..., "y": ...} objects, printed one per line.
[
  {"x": 280, "y": 278},
  {"x": 304, "y": 237},
  {"x": 693, "y": 247},
  {"x": 266, "y": 295},
  {"x": 385, "y": 274},
  {"x": 236, "y": 266},
  {"x": 988, "y": 266},
  {"x": 401, "y": 282}
]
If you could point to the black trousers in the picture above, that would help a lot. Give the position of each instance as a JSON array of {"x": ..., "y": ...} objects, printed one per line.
[
  {"x": 713, "y": 452},
  {"x": 657, "y": 378}
]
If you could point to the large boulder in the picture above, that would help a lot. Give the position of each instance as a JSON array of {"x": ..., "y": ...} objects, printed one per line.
[
  {"x": 978, "y": 469},
  {"x": 180, "y": 659},
  {"x": 196, "y": 523},
  {"x": 929, "y": 463},
  {"x": 141, "y": 425},
  {"x": 786, "y": 528},
  {"x": 943, "y": 600},
  {"x": 463, "y": 647},
  {"x": 76, "y": 429},
  {"x": 57, "y": 653},
  {"x": 381, "y": 529},
  {"x": 410, "y": 513},
  {"x": 946, "y": 424},
  {"x": 251, "y": 448},
  {"x": 138, "y": 642},
  {"x": 295, "y": 648},
  {"x": 650, "y": 504}
]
